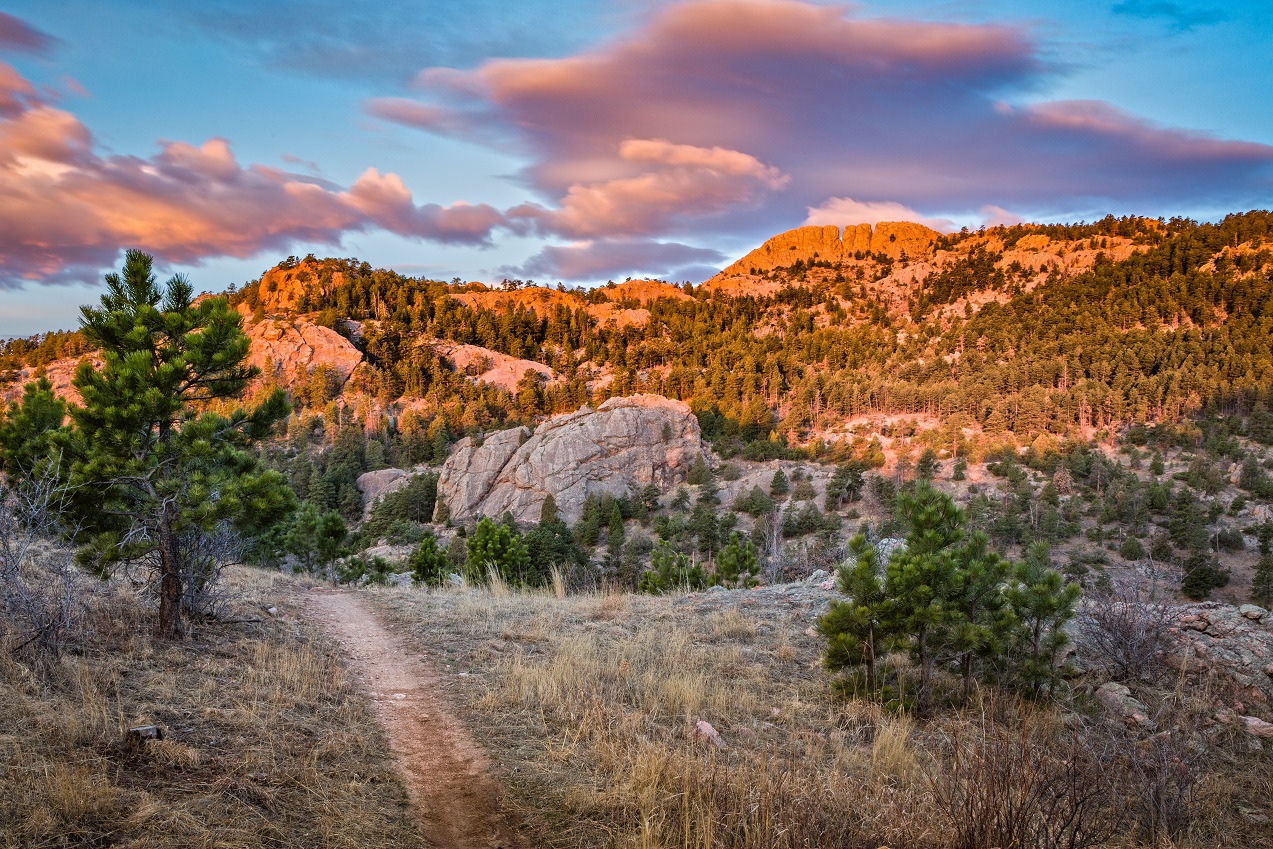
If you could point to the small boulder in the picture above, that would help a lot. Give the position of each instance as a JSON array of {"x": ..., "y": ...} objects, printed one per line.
[
  {"x": 1254, "y": 612},
  {"x": 1257, "y": 727},
  {"x": 704, "y": 732},
  {"x": 1119, "y": 701}
]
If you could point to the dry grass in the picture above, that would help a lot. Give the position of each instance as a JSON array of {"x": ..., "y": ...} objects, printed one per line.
[
  {"x": 588, "y": 704},
  {"x": 591, "y": 704},
  {"x": 265, "y": 742}
]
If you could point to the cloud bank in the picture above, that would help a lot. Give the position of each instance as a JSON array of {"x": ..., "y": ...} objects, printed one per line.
[
  {"x": 66, "y": 210},
  {"x": 784, "y": 109},
  {"x": 710, "y": 120}
]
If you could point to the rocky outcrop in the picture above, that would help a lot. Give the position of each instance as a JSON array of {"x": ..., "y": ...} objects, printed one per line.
[
  {"x": 491, "y": 367},
  {"x": 289, "y": 350},
  {"x": 623, "y": 445},
  {"x": 60, "y": 373},
  {"x": 375, "y": 485},
  {"x": 283, "y": 287},
  {"x": 828, "y": 243},
  {"x": 1234, "y": 642}
]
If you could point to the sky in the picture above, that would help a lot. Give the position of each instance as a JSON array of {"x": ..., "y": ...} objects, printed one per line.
[{"x": 578, "y": 141}]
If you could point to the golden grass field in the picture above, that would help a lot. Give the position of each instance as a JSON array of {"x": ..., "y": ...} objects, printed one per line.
[{"x": 588, "y": 705}]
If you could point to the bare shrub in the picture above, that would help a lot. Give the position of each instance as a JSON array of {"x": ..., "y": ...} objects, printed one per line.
[
  {"x": 1027, "y": 782},
  {"x": 205, "y": 554},
  {"x": 1123, "y": 632},
  {"x": 1166, "y": 777},
  {"x": 42, "y": 592}
]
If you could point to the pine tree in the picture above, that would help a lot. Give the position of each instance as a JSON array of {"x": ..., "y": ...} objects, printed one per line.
[
  {"x": 495, "y": 548},
  {"x": 428, "y": 563},
  {"x": 779, "y": 486},
  {"x": 854, "y": 628},
  {"x": 1041, "y": 604},
  {"x": 153, "y": 469},
  {"x": 30, "y": 429},
  {"x": 1262, "y": 582},
  {"x": 737, "y": 561}
]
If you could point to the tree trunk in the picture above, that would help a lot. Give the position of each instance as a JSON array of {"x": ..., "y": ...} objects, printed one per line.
[
  {"x": 925, "y": 674},
  {"x": 169, "y": 577}
]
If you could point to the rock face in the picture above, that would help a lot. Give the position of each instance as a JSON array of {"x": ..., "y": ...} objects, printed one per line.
[
  {"x": 623, "y": 445},
  {"x": 827, "y": 242},
  {"x": 377, "y": 484},
  {"x": 290, "y": 349}
]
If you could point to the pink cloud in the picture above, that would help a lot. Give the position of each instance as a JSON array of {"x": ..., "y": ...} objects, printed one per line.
[
  {"x": 841, "y": 211},
  {"x": 65, "y": 210},
  {"x": 881, "y": 111},
  {"x": 678, "y": 182}
]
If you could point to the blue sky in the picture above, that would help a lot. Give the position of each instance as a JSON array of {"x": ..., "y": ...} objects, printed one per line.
[{"x": 581, "y": 141}]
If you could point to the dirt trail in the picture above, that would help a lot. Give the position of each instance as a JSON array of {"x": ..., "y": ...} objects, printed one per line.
[{"x": 445, "y": 771}]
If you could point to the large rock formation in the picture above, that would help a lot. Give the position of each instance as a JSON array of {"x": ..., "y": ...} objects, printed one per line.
[
  {"x": 623, "y": 445},
  {"x": 375, "y": 485},
  {"x": 827, "y": 243},
  {"x": 289, "y": 350}
]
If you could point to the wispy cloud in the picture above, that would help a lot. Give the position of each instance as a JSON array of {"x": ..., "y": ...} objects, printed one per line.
[
  {"x": 1177, "y": 16},
  {"x": 16, "y": 34},
  {"x": 345, "y": 41},
  {"x": 607, "y": 258}
]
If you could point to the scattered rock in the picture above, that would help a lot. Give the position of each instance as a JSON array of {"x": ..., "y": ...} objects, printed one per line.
[
  {"x": 1254, "y": 612},
  {"x": 454, "y": 580},
  {"x": 142, "y": 733},
  {"x": 273, "y": 611},
  {"x": 818, "y": 576}
]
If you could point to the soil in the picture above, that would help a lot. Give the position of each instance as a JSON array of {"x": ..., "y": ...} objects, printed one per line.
[{"x": 445, "y": 771}]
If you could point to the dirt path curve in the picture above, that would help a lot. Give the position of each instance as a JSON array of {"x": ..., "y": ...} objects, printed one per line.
[{"x": 446, "y": 773}]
